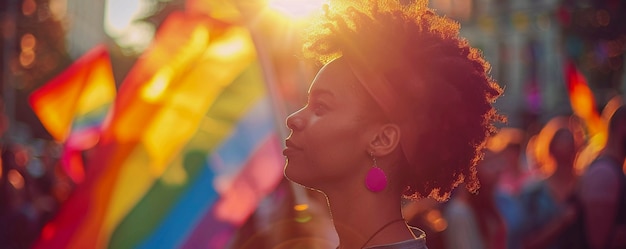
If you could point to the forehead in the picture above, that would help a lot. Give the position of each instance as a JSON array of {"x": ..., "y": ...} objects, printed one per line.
[{"x": 337, "y": 78}]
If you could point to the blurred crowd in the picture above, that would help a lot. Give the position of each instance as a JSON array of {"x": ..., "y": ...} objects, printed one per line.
[
  {"x": 541, "y": 189},
  {"x": 32, "y": 185},
  {"x": 534, "y": 190}
]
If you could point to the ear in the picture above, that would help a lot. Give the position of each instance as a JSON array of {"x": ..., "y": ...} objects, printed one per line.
[{"x": 385, "y": 140}]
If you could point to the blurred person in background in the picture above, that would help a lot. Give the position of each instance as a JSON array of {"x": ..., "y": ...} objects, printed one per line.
[
  {"x": 603, "y": 189},
  {"x": 509, "y": 141},
  {"x": 550, "y": 203},
  {"x": 386, "y": 120},
  {"x": 19, "y": 224},
  {"x": 508, "y": 144},
  {"x": 28, "y": 175},
  {"x": 474, "y": 219}
]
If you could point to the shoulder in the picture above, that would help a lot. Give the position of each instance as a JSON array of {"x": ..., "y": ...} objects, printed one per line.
[
  {"x": 418, "y": 243},
  {"x": 600, "y": 172},
  {"x": 600, "y": 181}
]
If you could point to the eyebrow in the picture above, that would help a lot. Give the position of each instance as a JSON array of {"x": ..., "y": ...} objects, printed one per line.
[{"x": 320, "y": 92}]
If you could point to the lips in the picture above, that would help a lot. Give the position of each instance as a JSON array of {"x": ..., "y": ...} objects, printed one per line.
[
  {"x": 291, "y": 144},
  {"x": 290, "y": 147}
]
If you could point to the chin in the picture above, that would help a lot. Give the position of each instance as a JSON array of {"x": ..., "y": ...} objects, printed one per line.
[
  {"x": 293, "y": 175},
  {"x": 289, "y": 174}
]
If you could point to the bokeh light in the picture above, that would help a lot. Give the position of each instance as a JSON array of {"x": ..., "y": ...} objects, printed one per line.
[
  {"x": 28, "y": 42},
  {"x": 302, "y": 213},
  {"x": 436, "y": 220},
  {"x": 58, "y": 9},
  {"x": 16, "y": 179},
  {"x": 29, "y": 7},
  {"x": 27, "y": 58},
  {"x": 301, "y": 207}
]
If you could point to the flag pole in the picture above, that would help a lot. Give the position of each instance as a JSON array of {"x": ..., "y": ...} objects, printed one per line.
[{"x": 276, "y": 99}]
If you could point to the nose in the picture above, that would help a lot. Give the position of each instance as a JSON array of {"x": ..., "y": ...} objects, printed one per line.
[{"x": 295, "y": 121}]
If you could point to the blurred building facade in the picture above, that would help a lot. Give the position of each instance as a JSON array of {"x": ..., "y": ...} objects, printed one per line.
[
  {"x": 84, "y": 26},
  {"x": 528, "y": 44}
]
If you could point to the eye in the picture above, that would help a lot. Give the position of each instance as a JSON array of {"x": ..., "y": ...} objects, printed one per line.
[{"x": 319, "y": 108}]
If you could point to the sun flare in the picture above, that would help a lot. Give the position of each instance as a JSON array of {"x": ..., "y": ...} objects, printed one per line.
[{"x": 296, "y": 9}]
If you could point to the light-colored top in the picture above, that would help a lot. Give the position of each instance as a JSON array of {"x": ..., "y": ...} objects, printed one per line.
[
  {"x": 462, "y": 231},
  {"x": 417, "y": 243}
]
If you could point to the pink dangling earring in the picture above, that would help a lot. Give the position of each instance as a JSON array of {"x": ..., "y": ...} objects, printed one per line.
[{"x": 376, "y": 180}]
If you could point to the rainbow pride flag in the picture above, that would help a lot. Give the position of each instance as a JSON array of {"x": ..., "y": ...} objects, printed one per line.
[
  {"x": 189, "y": 151},
  {"x": 74, "y": 105}
]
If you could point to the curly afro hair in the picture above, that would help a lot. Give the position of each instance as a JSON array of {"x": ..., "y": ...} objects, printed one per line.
[{"x": 443, "y": 81}]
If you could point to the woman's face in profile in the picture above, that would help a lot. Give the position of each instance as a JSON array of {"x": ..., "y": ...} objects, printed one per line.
[{"x": 329, "y": 135}]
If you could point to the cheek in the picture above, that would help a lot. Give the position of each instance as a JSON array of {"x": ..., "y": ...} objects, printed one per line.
[
  {"x": 330, "y": 150},
  {"x": 325, "y": 151},
  {"x": 337, "y": 143}
]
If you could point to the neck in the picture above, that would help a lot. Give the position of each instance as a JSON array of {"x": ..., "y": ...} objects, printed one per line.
[
  {"x": 362, "y": 218},
  {"x": 564, "y": 170}
]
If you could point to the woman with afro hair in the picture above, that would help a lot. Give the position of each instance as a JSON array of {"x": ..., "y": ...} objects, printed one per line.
[{"x": 400, "y": 109}]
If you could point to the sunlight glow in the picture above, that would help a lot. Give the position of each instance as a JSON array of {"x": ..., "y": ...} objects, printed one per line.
[
  {"x": 155, "y": 89},
  {"x": 228, "y": 48},
  {"x": 136, "y": 37},
  {"x": 122, "y": 23},
  {"x": 119, "y": 14},
  {"x": 296, "y": 8}
]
